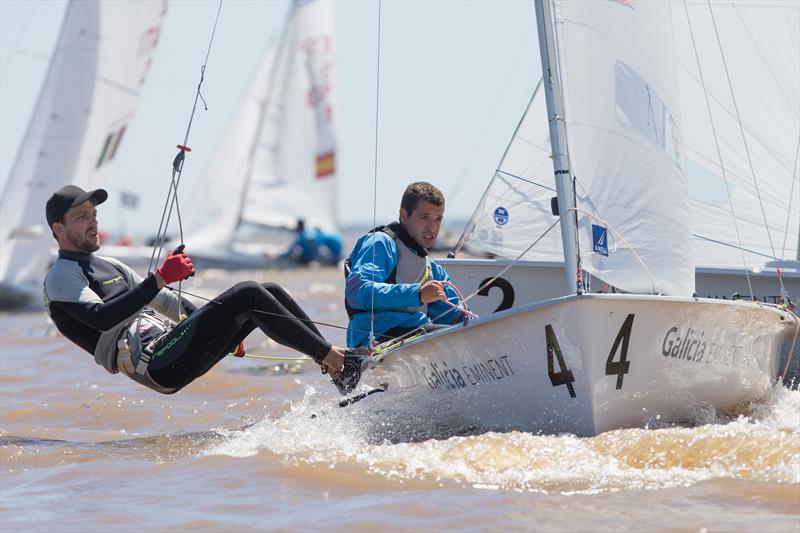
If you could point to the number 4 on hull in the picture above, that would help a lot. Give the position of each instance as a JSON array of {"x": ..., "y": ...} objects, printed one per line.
[
  {"x": 621, "y": 367},
  {"x": 564, "y": 375}
]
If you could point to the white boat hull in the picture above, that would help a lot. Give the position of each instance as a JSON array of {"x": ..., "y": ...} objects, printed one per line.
[
  {"x": 492, "y": 375},
  {"x": 533, "y": 281}
]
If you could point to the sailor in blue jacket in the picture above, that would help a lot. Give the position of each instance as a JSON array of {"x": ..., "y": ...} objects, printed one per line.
[
  {"x": 390, "y": 272},
  {"x": 313, "y": 244}
]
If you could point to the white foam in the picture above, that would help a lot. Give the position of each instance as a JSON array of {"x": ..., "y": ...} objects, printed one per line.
[{"x": 763, "y": 446}]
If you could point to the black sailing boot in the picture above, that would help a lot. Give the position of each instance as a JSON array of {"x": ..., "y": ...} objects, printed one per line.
[{"x": 355, "y": 361}]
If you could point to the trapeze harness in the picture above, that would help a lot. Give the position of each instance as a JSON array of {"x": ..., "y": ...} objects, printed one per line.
[{"x": 107, "y": 309}]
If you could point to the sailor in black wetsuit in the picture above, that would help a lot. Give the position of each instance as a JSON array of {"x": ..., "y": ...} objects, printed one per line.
[{"x": 104, "y": 307}]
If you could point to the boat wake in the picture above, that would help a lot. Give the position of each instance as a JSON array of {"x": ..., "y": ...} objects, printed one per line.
[{"x": 761, "y": 444}]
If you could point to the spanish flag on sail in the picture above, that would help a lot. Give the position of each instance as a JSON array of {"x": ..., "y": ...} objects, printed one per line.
[{"x": 326, "y": 164}]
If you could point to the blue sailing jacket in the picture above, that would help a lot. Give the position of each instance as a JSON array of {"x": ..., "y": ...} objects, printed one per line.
[
  {"x": 375, "y": 257},
  {"x": 315, "y": 245}
]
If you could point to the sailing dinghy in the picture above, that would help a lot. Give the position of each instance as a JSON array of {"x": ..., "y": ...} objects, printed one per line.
[
  {"x": 584, "y": 362},
  {"x": 277, "y": 161},
  {"x": 86, "y": 103}
]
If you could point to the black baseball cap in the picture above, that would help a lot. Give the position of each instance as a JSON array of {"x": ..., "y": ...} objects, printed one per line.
[{"x": 69, "y": 196}]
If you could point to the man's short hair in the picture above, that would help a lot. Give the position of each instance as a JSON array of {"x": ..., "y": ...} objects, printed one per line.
[{"x": 421, "y": 190}]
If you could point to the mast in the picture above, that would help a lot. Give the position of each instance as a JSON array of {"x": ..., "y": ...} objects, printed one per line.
[{"x": 558, "y": 141}]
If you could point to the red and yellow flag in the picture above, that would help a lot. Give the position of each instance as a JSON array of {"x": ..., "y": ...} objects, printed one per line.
[{"x": 326, "y": 164}]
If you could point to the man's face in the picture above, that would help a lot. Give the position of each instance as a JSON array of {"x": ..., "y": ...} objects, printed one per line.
[
  {"x": 78, "y": 231},
  {"x": 423, "y": 223}
]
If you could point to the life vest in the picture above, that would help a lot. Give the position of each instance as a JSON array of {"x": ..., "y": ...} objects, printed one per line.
[{"x": 410, "y": 268}]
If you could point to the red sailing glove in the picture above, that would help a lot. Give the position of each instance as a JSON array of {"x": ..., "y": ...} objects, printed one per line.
[{"x": 176, "y": 267}]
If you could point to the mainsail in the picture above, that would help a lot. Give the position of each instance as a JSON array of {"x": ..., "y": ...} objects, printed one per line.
[
  {"x": 277, "y": 161},
  {"x": 761, "y": 47},
  {"x": 87, "y": 101},
  {"x": 759, "y": 40}
]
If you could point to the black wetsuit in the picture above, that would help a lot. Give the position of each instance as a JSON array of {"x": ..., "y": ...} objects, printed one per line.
[
  {"x": 100, "y": 304},
  {"x": 214, "y": 330}
]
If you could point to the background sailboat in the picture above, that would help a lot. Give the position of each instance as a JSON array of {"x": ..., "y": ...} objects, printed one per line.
[
  {"x": 277, "y": 162},
  {"x": 87, "y": 101},
  {"x": 586, "y": 362}
]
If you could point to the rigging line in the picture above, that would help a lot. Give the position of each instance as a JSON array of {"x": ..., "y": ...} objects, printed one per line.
[
  {"x": 719, "y": 152},
  {"x": 421, "y": 329},
  {"x": 172, "y": 195},
  {"x": 723, "y": 243},
  {"x": 462, "y": 239},
  {"x": 741, "y": 128},
  {"x": 791, "y": 200},
  {"x": 269, "y": 313},
  {"x": 375, "y": 178},
  {"x": 510, "y": 175}
]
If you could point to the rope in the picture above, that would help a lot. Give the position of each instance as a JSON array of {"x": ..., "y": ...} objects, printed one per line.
[
  {"x": 375, "y": 177},
  {"x": 276, "y": 358},
  {"x": 741, "y": 128},
  {"x": 171, "y": 202},
  {"x": 469, "y": 314},
  {"x": 719, "y": 152},
  {"x": 269, "y": 313}
]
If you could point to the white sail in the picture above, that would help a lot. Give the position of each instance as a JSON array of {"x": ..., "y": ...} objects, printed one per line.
[
  {"x": 760, "y": 41},
  {"x": 618, "y": 77},
  {"x": 624, "y": 150},
  {"x": 279, "y": 152},
  {"x": 515, "y": 209},
  {"x": 761, "y": 47},
  {"x": 87, "y": 101}
]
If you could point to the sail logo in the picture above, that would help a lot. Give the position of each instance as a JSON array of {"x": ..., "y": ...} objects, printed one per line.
[
  {"x": 501, "y": 216},
  {"x": 600, "y": 239},
  {"x": 110, "y": 146}
]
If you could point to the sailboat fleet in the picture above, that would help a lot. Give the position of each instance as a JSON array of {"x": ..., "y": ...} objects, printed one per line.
[
  {"x": 88, "y": 99},
  {"x": 625, "y": 196}
]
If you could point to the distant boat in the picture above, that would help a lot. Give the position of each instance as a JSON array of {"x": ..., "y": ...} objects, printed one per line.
[
  {"x": 86, "y": 103},
  {"x": 277, "y": 161},
  {"x": 588, "y": 362}
]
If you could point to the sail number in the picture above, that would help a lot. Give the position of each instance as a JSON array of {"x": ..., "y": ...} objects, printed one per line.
[
  {"x": 503, "y": 285},
  {"x": 564, "y": 376}
]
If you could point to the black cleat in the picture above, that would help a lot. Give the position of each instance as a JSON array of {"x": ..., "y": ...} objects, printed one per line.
[{"x": 355, "y": 361}]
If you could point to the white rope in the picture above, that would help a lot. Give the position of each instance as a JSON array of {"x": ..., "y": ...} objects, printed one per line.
[
  {"x": 741, "y": 128},
  {"x": 719, "y": 152}
]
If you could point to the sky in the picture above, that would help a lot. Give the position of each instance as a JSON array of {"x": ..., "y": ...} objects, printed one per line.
[{"x": 455, "y": 77}]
